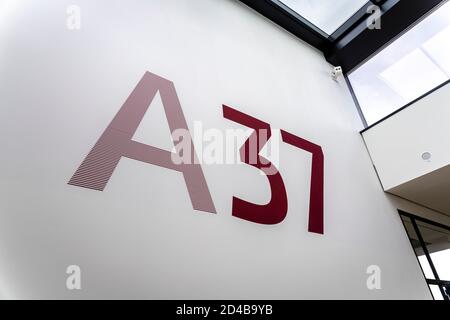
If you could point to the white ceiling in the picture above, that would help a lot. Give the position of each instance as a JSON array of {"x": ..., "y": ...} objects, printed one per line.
[{"x": 431, "y": 190}]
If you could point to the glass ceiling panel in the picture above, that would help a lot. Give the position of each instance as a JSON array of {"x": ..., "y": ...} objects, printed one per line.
[
  {"x": 327, "y": 15},
  {"x": 412, "y": 65}
]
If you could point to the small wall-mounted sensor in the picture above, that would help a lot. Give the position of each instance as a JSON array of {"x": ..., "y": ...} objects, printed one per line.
[
  {"x": 426, "y": 156},
  {"x": 336, "y": 72}
]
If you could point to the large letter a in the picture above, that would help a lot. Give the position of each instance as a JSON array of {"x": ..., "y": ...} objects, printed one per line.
[{"x": 116, "y": 142}]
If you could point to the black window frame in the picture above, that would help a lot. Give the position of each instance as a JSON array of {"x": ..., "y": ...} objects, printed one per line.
[
  {"x": 443, "y": 285},
  {"x": 353, "y": 43}
]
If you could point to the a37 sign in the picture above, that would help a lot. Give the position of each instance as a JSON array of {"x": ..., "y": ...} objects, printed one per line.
[{"x": 116, "y": 142}]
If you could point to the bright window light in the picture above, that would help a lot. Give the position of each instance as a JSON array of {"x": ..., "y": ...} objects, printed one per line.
[
  {"x": 426, "y": 267},
  {"x": 437, "y": 295},
  {"x": 441, "y": 261},
  {"x": 327, "y": 15},
  {"x": 411, "y": 66},
  {"x": 438, "y": 49},
  {"x": 414, "y": 73}
]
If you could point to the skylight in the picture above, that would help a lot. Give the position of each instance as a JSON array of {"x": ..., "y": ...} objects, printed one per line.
[
  {"x": 412, "y": 65},
  {"x": 327, "y": 15}
]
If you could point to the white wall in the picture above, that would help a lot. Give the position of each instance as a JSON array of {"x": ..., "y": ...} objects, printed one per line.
[
  {"x": 59, "y": 89},
  {"x": 396, "y": 145}
]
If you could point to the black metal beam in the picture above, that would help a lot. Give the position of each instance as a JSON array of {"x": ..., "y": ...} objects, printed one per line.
[
  {"x": 292, "y": 22},
  {"x": 356, "y": 19},
  {"x": 427, "y": 254},
  {"x": 353, "y": 42},
  {"x": 361, "y": 42}
]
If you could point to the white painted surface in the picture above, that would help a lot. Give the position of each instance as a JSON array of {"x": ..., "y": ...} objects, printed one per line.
[
  {"x": 140, "y": 238},
  {"x": 396, "y": 145}
]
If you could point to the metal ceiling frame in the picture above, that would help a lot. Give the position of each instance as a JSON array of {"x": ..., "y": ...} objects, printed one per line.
[{"x": 353, "y": 42}]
